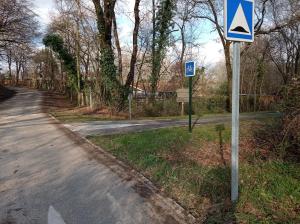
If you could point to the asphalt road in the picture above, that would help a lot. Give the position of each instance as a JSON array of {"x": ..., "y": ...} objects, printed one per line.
[
  {"x": 120, "y": 127},
  {"x": 48, "y": 175}
]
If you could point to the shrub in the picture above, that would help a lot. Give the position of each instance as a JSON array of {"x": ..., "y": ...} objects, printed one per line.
[
  {"x": 153, "y": 110},
  {"x": 171, "y": 107},
  {"x": 167, "y": 107},
  {"x": 283, "y": 136},
  {"x": 205, "y": 105}
]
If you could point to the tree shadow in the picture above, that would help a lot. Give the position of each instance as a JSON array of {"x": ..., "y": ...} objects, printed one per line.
[
  {"x": 216, "y": 186},
  {"x": 220, "y": 128},
  {"x": 52, "y": 100},
  {"x": 195, "y": 122}
]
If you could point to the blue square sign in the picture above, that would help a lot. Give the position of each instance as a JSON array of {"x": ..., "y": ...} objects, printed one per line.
[
  {"x": 239, "y": 20},
  {"x": 190, "y": 69}
]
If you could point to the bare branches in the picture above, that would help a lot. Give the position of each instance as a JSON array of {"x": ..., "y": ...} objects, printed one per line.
[
  {"x": 17, "y": 22},
  {"x": 292, "y": 21}
]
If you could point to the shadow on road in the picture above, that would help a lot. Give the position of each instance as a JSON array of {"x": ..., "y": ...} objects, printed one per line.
[{"x": 55, "y": 101}]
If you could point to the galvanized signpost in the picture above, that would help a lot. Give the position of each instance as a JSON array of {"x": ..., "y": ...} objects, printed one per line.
[
  {"x": 238, "y": 27},
  {"x": 190, "y": 72},
  {"x": 130, "y": 96}
]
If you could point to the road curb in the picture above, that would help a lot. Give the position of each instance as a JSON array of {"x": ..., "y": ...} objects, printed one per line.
[{"x": 142, "y": 185}]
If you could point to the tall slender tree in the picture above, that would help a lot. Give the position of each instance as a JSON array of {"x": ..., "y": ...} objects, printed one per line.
[
  {"x": 131, "y": 74},
  {"x": 161, "y": 32}
]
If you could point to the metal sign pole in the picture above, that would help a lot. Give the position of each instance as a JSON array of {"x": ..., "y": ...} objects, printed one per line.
[
  {"x": 130, "y": 105},
  {"x": 190, "y": 102},
  {"x": 190, "y": 71},
  {"x": 235, "y": 123}
]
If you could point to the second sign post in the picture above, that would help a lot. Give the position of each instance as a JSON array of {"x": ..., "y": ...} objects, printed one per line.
[{"x": 190, "y": 72}]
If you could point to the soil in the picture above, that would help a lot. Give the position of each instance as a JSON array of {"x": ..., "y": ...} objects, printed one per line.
[
  {"x": 212, "y": 154},
  {"x": 56, "y": 102}
]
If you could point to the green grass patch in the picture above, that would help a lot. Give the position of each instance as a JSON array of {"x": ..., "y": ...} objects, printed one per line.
[{"x": 270, "y": 191}]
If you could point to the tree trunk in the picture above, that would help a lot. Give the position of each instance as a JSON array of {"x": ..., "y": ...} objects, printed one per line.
[
  {"x": 153, "y": 85},
  {"x": 18, "y": 68},
  {"x": 9, "y": 61},
  {"x": 79, "y": 95},
  {"x": 118, "y": 46},
  {"x": 107, "y": 58},
  {"x": 130, "y": 78},
  {"x": 183, "y": 47},
  {"x": 140, "y": 68},
  {"x": 229, "y": 75}
]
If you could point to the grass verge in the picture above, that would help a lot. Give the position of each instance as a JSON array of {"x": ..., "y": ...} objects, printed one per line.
[{"x": 194, "y": 169}]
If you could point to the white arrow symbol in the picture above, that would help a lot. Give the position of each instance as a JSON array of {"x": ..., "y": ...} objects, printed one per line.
[{"x": 54, "y": 217}]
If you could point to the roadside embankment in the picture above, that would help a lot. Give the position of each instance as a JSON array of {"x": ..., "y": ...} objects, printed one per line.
[{"x": 5, "y": 93}]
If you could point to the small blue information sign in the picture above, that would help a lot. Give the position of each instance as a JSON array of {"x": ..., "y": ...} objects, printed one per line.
[{"x": 190, "y": 69}]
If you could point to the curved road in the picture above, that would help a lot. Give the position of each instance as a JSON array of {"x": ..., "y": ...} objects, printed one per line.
[{"x": 48, "y": 175}]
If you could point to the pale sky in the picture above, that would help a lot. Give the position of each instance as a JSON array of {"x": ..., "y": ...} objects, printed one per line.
[
  {"x": 210, "y": 51},
  {"x": 43, "y": 9}
]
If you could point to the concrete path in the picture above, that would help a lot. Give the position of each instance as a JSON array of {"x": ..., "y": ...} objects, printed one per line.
[
  {"x": 120, "y": 127},
  {"x": 49, "y": 175}
]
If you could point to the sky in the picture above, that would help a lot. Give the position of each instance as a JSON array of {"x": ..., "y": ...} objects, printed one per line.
[
  {"x": 43, "y": 9},
  {"x": 209, "y": 53}
]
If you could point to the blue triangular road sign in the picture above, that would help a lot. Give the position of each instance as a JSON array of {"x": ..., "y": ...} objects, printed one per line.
[{"x": 238, "y": 21}]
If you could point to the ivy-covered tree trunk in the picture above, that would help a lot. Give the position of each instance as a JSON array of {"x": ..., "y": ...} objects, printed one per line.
[
  {"x": 107, "y": 58},
  {"x": 152, "y": 82},
  {"x": 56, "y": 43},
  {"x": 162, "y": 23}
]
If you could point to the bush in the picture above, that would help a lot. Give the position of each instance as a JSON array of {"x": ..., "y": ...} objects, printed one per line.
[
  {"x": 153, "y": 110},
  {"x": 167, "y": 107},
  {"x": 283, "y": 136},
  {"x": 171, "y": 107},
  {"x": 206, "y": 105}
]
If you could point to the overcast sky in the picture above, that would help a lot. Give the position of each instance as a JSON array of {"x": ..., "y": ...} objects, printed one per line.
[
  {"x": 210, "y": 50},
  {"x": 43, "y": 8}
]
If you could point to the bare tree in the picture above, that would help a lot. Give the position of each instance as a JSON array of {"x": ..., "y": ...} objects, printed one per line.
[
  {"x": 131, "y": 74},
  {"x": 18, "y": 22}
]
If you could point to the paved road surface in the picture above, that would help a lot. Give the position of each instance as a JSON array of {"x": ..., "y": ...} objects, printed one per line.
[
  {"x": 119, "y": 127},
  {"x": 47, "y": 176}
]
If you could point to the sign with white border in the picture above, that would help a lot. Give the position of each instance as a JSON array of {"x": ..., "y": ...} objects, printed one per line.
[
  {"x": 190, "y": 69},
  {"x": 239, "y": 20}
]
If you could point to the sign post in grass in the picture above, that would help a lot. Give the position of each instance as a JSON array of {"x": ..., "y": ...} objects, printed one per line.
[
  {"x": 238, "y": 27},
  {"x": 190, "y": 72}
]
